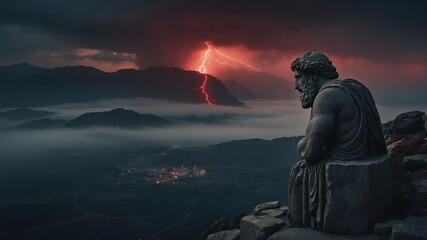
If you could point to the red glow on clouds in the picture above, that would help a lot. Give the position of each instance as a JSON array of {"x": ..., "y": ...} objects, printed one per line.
[{"x": 214, "y": 59}]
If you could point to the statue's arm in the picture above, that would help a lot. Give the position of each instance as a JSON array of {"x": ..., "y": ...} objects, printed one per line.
[{"x": 325, "y": 109}]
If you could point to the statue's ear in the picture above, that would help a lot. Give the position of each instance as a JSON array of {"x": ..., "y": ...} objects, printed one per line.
[{"x": 315, "y": 75}]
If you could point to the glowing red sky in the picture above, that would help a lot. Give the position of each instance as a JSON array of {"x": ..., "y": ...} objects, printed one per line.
[{"x": 375, "y": 42}]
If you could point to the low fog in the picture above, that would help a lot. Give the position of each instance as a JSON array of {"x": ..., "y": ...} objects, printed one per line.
[{"x": 257, "y": 119}]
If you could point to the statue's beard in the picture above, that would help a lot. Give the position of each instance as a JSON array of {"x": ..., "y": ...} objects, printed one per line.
[{"x": 308, "y": 94}]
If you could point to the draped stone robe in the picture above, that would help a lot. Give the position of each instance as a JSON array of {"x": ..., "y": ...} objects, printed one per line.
[{"x": 307, "y": 181}]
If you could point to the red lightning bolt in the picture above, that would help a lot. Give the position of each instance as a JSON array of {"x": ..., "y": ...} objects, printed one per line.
[
  {"x": 202, "y": 69},
  {"x": 214, "y": 54}
]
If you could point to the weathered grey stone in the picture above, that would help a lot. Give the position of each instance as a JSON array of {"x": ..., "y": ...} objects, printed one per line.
[
  {"x": 264, "y": 206},
  {"x": 358, "y": 194},
  {"x": 425, "y": 122},
  {"x": 277, "y": 212},
  {"x": 416, "y": 161},
  {"x": 310, "y": 234},
  {"x": 414, "y": 228},
  {"x": 385, "y": 228},
  {"x": 217, "y": 226},
  {"x": 259, "y": 227},
  {"x": 225, "y": 235},
  {"x": 415, "y": 198},
  {"x": 409, "y": 122},
  {"x": 235, "y": 223}
]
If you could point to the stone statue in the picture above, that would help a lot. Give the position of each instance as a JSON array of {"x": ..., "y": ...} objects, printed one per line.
[{"x": 344, "y": 125}]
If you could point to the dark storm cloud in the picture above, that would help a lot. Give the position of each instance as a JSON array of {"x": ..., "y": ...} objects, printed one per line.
[{"x": 165, "y": 32}]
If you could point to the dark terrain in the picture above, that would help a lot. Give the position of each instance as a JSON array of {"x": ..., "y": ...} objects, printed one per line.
[{"x": 115, "y": 196}]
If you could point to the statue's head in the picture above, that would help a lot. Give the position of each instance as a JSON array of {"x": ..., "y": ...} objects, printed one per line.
[{"x": 311, "y": 70}]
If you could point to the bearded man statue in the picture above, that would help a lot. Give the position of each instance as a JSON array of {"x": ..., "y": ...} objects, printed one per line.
[{"x": 344, "y": 125}]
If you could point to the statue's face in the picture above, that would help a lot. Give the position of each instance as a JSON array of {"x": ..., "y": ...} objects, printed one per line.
[{"x": 305, "y": 84}]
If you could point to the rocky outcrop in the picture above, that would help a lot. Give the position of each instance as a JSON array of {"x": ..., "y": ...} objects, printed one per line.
[
  {"x": 217, "y": 226},
  {"x": 264, "y": 206},
  {"x": 405, "y": 123},
  {"x": 413, "y": 231},
  {"x": 407, "y": 145},
  {"x": 310, "y": 234},
  {"x": 414, "y": 198},
  {"x": 225, "y": 235},
  {"x": 415, "y": 162}
]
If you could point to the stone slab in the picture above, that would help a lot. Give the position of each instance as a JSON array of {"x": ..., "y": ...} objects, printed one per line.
[
  {"x": 358, "y": 194},
  {"x": 414, "y": 228},
  {"x": 259, "y": 227},
  {"x": 310, "y": 234},
  {"x": 225, "y": 235}
]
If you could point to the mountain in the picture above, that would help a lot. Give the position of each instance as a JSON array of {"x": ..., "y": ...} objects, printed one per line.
[
  {"x": 119, "y": 117},
  {"x": 261, "y": 84},
  {"x": 238, "y": 90},
  {"x": 24, "y": 114},
  {"x": 18, "y": 71},
  {"x": 43, "y": 123},
  {"x": 41, "y": 87}
]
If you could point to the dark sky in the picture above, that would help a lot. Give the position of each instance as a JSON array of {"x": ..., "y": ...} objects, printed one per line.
[{"x": 384, "y": 40}]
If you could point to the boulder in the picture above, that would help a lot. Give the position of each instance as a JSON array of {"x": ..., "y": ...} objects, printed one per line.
[
  {"x": 276, "y": 212},
  {"x": 225, "y": 235},
  {"x": 264, "y": 206},
  {"x": 409, "y": 122},
  {"x": 217, "y": 226},
  {"x": 415, "y": 162},
  {"x": 385, "y": 228},
  {"x": 425, "y": 123},
  {"x": 259, "y": 227},
  {"x": 358, "y": 194},
  {"x": 415, "y": 198},
  {"x": 411, "y": 228},
  {"x": 310, "y": 234},
  {"x": 235, "y": 223}
]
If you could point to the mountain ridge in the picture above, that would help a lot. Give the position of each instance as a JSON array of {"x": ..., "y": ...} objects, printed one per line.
[{"x": 84, "y": 83}]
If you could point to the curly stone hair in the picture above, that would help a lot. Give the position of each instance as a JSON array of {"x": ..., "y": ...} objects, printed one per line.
[{"x": 315, "y": 62}]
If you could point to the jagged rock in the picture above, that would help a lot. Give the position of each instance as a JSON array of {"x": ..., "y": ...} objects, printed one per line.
[
  {"x": 273, "y": 212},
  {"x": 217, "y": 226},
  {"x": 425, "y": 123},
  {"x": 235, "y": 223},
  {"x": 358, "y": 194},
  {"x": 409, "y": 122},
  {"x": 416, "y": 161},
  {"x": 385, "y": 228},
  {"x": 309, "y": 234},
  {"x": 259, "y": 227},
  {"x": 412, "y": 228},
  {"x": 264, "y": 206},
  {"x": 415, "y": 198},
  {"x": 225, "y": 235}
]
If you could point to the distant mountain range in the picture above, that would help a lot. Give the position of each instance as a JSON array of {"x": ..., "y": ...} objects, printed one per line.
[
  {"x": 23, "y": 114},
  {"x": 117, "y": 118},
  {"x": 24, "y": 85},
  {"x": 43, "y": 123}
]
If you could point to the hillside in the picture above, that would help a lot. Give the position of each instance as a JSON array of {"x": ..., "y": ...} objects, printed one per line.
[{"x": 41, "y": 87}]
